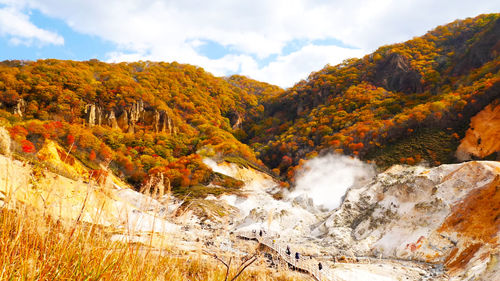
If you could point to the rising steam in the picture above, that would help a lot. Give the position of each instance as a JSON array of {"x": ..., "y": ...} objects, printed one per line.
[{"x": 326, "y": 179}]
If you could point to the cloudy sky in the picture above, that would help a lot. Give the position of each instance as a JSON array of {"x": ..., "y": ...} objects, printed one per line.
[{"x": 277, "y": 41}]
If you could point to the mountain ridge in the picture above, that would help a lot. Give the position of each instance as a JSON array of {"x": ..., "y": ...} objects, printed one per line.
[
  {"x": 165, "y": 116},
  {"x": 211, "y": 157},
  {"x": 439, "y": 80}
]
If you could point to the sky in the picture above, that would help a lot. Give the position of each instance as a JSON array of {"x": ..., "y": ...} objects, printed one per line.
[{"x": 276, "y": 41}]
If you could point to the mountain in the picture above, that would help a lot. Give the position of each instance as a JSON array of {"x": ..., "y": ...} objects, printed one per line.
[
  {"x": 405, "y": 103},
  {"x": 142, "y": 119},
  {"x": 108, "y": 168}
]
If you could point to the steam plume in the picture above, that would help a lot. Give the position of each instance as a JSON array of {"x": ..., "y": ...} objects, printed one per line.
[{"x": 326, "y": 179}]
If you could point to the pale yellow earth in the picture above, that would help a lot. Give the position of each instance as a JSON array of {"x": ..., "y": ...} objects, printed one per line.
[{"x": 108, "y": 203}]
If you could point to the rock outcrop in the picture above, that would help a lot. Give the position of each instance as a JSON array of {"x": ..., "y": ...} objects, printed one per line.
[
  {"x": 162, "y": 122},
  {"x": 484, "y": 48},
  {"x": 111, "y": 120},
  {"x": 235, "y": 119},
  {"x": 237, "y": 123},
  {"x": 394, "y": 73},
  {"x": 93, "y": 115},
  {"x": 20, "y": 107},
  {"x": 135, "y": 114},
  {"x": 482, "y": 138},
  {"x": 447, "y": 215},
  {"x": 122, "y": 120},
  {"x": 128, "y": 118}
]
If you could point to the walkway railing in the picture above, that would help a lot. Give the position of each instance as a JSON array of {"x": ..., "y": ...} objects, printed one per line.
[{"x": 307, "y": 265}]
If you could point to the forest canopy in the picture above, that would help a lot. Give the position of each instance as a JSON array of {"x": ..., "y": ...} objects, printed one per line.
[{"x": 405, "y": 103}]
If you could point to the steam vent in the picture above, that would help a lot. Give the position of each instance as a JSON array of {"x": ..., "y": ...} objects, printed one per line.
[{"x": 256, "y": 140}]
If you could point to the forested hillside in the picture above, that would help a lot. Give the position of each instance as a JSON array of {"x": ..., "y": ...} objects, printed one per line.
[
  {"x": 141, "y": 118},
  {"x": 405, "y": 103}
]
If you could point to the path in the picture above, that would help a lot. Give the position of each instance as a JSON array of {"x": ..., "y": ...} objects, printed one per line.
[{"x": 309, "y": 266}]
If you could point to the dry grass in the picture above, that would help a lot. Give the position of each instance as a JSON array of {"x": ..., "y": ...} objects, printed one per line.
[{"x": 33, "y": 247}]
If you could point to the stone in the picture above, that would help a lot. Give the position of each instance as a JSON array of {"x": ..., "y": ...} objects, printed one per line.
[
  {"x": 481, "y": 139},
  {"x": 111, "y": 120},
  {"x": 395, "y": 74},
  {"x": 93, "y": 115},
  {"x": 156, "y": 121},
  {"x": 122, "y": 120},
  {"x": 128, "y": 118},
  {"x": 20, "y": 107}
]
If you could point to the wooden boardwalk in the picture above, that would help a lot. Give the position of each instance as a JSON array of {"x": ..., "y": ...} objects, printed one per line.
[{"x": 307, "y": 265}]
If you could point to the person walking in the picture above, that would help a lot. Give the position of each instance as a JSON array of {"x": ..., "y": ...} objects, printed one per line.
[
  {"x": 320, "y": 266},
  {"x": 288, "y": 250},
  {"x": 297, "y": 256}
]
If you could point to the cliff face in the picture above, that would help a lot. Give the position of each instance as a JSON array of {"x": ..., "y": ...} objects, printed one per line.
[
  {"x": 448, "y": 214},
  {"x": 394, "y": 73},
  {"x": 481, "y": 139},
  {"x": 127, "y": 118}
]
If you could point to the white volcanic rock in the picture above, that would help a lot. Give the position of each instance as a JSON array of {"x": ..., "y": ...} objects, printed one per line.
[
  {"x": 400, "y": 214},
  {"x": 289, "y": 221},
  {"x": 445, "y": 215},
  {"x": 405, "y": 213}
]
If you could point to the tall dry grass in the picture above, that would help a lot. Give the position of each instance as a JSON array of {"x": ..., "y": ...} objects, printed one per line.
[{"x": 34, "y": 247}]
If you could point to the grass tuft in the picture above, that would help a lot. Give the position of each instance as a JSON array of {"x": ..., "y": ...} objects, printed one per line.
[{"x": 34, "y": 247}]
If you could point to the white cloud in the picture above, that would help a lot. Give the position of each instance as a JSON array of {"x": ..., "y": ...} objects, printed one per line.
[
  {"x": 284, "y": 71},
  {"x": 20, "y": 31},
  {"x": 169, "y": 30},
  {"x": 289, "y": 69}
]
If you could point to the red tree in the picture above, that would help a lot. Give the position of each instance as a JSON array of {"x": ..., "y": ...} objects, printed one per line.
[
  {"x": 28, "y": 146},
  {"x": 92, "y": 155}
]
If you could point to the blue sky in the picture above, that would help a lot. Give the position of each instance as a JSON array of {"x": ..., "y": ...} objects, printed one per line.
[
  {"x": 277, "y": 41},
  {"x": 77, "y": 46}
]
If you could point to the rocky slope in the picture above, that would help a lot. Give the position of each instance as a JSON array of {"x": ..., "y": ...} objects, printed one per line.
[
  {"x": 71, "y": 194},
  {"x": 481, "y": 139},
  {"x": 412, "y": 223},
  {"x": 447, "y": 215}
]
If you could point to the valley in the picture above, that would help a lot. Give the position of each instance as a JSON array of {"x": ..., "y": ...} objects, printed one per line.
[{"x": 380, "y": 168}]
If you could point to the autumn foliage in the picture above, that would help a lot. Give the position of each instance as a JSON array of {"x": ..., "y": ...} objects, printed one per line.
[
  {"x": 405, "y": 103},
  {"x": 362, "y": 107},
  {"x": 53, "y": 96}
]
